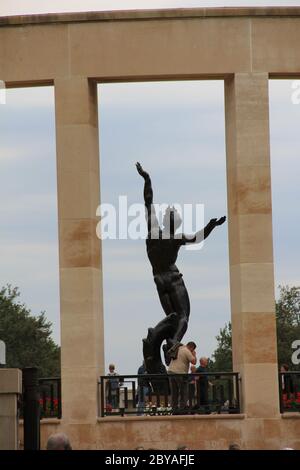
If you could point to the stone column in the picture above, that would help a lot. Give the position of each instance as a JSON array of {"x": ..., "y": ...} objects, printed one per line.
[
  {"x": 10, "y": 389},
  {"x": 81, "y": 308},
  {"x": 250, "y": 242}
]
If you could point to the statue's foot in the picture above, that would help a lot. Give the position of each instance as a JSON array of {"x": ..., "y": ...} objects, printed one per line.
[{"x": 171, "y": 351}]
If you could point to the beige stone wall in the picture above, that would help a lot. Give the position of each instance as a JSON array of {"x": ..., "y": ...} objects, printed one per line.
[
  {"x": 250, "y": 242},
  {"x": 82, "y": 331},
  {"x": 197, "y": 432},
  {"x": 161, "y": 45}
]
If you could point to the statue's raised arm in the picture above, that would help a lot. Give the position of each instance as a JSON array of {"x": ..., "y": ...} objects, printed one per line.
[
  {"x": 148, "y": 197},
  {"x": 148, "y": 192}
]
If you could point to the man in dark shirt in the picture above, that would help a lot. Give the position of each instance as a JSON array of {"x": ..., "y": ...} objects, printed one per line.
[
  {"x": 203, "y": 383},
  {"x": 143, "y": 389}
]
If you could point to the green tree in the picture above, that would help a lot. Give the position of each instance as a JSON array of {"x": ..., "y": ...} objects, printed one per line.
[
  {"x": 287, "y": 322},
  {"x": 27, "y": 337},
  {"x": 288, "y": 330},
  {"x": 222, "y": 357}
]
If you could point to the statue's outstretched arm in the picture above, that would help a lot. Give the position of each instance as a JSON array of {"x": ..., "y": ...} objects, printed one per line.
[{"x": 202, "y": 234}]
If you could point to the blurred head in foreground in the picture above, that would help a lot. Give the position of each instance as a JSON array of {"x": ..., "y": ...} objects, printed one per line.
[{"x": 59, "y": 441}]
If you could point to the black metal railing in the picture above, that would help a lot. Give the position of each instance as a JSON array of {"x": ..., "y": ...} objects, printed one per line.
[
  {"x": 150, "y": 394},
  {"x": 289, "y": 391},
  {"x": 49, "y": 398}
]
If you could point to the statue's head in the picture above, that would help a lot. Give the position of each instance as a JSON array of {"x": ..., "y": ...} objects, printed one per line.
[{"x": 171, "y": 220}]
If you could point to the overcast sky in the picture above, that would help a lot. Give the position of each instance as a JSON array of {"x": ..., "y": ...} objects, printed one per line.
[
  {"x": 176, "y": 130},
  {"x": 17, "y": 7}
]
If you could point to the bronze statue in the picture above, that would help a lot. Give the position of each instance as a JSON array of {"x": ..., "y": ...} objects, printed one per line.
[{"x": 162, "y": 249}]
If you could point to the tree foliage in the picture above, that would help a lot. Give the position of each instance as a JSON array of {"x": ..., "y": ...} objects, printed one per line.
[
  {"x": 288, "y": 330},
  {"x": 222, "y": 357},
  {"x": 27, "y": 337},
  {"x": 288, "y": 323}
]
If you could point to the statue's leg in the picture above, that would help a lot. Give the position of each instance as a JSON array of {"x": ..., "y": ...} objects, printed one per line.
[
  {"x": 162, "y": 285},
  {"x": 180, "y": 299},
  {"x": 166, "y": 302},
  {"x": 164, "y": 329},
  {"x": 170, "y": 324},
  {"x": 152, "y": 345},
  {"x": 175, "y": 302},
  {"x": 181, "y": 304}
]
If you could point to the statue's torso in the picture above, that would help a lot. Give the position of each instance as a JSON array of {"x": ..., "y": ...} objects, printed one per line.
[{"x": 162, "y": 253}]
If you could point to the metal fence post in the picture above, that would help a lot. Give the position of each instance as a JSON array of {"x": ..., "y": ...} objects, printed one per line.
[{"x": 31, "y": 410}]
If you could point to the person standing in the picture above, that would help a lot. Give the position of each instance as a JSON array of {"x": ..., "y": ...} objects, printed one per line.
[
  {"x": 192, "y": 385},
  {"x": 112, "y": 387},
  {"x": 143, "y": 389},
  {"x": 203, "y": 382},
  {"x": 186, "y": 355},
  {"x": 286, "y": 380}
]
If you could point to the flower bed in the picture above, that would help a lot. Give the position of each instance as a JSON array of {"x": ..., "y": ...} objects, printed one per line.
[
  {"x": 48, "y": 410},
  {"x": 291, "y": 403}
]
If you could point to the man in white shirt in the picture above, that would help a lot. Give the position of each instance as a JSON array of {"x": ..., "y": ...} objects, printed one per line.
[{"x": 179, "y": 385}]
